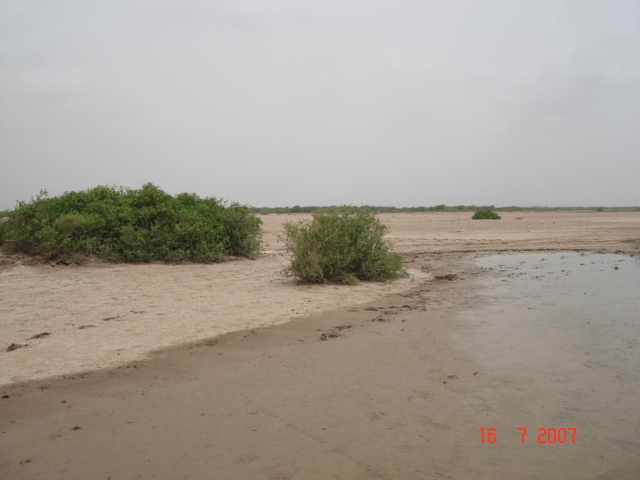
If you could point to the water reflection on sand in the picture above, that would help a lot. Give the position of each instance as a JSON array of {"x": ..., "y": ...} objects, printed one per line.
[{"x": 565, "y": 328}]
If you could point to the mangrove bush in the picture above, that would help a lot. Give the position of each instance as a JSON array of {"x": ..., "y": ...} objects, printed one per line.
[
  {"x": 485, "y": 214},
  {"x": 133, "y": 225},
  {"x": 344, "y": 245}
]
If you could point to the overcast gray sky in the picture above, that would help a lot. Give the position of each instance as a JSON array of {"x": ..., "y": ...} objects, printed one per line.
[{"x": 276, "y": 103}]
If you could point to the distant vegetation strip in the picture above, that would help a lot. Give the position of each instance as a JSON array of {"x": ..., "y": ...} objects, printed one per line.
[
  {"x": 437, "y": 208},
  {"x": 142, "y": 225}
]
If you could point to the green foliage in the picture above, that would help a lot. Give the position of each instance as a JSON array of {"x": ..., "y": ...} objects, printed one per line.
[
  {"x": 485, "y": 214},
  {"x": 133, "y": 225},
  {"x": 344, "y": 245}
]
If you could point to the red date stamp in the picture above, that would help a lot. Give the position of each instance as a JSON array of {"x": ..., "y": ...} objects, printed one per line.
[{"x": 545, "y": 435}]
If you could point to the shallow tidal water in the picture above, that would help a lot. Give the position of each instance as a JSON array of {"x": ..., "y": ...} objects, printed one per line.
[{"x": 561, "y": 332}]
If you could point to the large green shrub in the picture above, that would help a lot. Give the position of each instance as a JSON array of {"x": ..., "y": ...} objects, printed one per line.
[
  {"x": 133, "y": 225},
  {"x": 344, "y": 245},
  {"x": 485, "y": 214}
]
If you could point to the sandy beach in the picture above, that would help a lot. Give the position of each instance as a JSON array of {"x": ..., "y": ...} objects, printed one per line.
[
  {"x": 107, "y": 315},
  {"x": 350, "y": 381}
]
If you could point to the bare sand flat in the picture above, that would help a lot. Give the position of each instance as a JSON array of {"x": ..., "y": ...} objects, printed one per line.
[
  {"x": 98, "y": 317},
  {"x": 517, "y": 231},
  {"x": 355, "y": 382}
]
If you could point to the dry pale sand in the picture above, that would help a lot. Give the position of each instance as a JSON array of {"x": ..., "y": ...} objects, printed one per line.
[
  {"x": 517, "y": 231},
  {"x": 106, "y": 316},
  {"x": 364, "y": 382}
]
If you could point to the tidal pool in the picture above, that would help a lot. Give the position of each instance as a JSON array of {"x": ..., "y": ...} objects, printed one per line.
[{"x": 559, "y": 334}]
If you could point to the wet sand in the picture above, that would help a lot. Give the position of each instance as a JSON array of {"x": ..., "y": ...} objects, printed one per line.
[
  {"x": 359, "y": 392},
  {"x": 383, "y": 389}
]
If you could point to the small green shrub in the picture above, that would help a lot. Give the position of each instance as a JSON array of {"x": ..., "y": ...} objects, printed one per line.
[
  {"x": 132, "y": 225},
  {"x": 344, "y": 245},
  {"x": 485, "y": 214}
]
